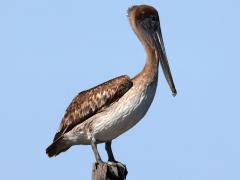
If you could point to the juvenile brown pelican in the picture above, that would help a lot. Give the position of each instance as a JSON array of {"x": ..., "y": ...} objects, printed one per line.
[{"x": 101, "y": 114}]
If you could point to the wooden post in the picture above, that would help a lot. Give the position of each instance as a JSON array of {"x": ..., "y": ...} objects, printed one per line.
[{"x": 107, "y": 171}]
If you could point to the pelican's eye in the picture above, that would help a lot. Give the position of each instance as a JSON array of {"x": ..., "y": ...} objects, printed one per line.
[{"x": 154, "y": 18}]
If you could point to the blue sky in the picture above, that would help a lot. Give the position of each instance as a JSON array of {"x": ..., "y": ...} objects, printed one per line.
[{"x": 51, "y": 50}]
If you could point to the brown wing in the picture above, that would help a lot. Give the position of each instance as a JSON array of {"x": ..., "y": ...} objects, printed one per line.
[{"x": 90, "y": 102}]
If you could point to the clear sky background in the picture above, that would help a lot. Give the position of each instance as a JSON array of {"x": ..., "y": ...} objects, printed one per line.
[{"x": 51, "y": 50}]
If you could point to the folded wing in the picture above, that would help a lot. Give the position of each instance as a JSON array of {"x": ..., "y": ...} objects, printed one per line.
[{"x": 90, "y": 102}]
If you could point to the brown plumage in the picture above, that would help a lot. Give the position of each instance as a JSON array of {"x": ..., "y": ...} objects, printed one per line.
[{"x": 86, "y": 104}]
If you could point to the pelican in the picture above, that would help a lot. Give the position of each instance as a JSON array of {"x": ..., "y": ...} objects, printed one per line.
[{"x": 102, "y": 113}]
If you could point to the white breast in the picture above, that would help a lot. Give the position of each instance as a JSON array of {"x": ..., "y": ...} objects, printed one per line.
[{"x": 123, "y": 114}]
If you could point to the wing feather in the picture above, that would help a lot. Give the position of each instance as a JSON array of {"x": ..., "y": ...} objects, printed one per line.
[{"x": 90, "y": 102}]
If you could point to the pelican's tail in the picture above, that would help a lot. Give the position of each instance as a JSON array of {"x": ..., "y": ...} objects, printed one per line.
[{"x": 57, "y": 147}]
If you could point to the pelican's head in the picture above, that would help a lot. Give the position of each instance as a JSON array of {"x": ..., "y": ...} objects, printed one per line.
[{"x": 145, "y": 23}]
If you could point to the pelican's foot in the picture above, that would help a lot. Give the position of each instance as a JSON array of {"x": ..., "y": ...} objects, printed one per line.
[
  {"x": 118, "y": 169},
  {"x": 116, "y": 163}
]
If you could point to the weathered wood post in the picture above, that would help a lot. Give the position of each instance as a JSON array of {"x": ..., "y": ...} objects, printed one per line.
[{"x": 107, "y": 171}]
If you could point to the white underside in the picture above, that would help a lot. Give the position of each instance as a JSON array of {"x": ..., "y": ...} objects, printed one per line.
[{"x": 116, "y": 119}]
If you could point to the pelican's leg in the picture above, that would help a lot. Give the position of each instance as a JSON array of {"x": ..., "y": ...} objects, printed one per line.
[
  {"x": 95, "y": 150},
  {"x": 109, "y": 151},
  {"x": 111, "y": 159}
]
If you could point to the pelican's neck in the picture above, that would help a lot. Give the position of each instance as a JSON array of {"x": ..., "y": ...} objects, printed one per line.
[{"x": 150, "y": 71}]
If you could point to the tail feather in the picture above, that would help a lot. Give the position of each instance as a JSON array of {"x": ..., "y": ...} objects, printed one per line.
[{"x": 57, "y": 147}]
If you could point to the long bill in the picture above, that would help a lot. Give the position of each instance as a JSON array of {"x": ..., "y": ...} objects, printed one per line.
[{"x": 164, "y": 61}]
